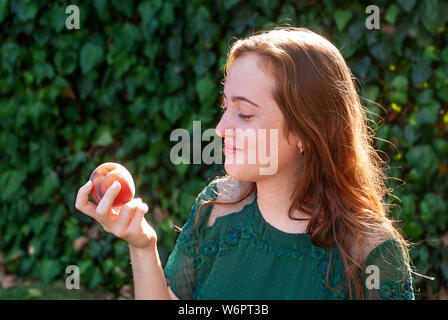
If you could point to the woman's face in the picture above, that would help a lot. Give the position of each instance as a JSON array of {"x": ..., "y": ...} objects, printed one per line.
[{"x": 242, "y": 123}]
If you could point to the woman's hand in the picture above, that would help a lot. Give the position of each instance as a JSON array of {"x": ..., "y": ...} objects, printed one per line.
[{"x": 128, "y": 224}]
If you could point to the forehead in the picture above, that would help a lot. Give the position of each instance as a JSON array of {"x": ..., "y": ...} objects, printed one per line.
[{"x": 247, "y": 76}]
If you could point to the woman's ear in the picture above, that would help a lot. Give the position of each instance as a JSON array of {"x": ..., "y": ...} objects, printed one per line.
[
  {"x": 295, "y": 139},
  {"x": 299, "y": 144}
]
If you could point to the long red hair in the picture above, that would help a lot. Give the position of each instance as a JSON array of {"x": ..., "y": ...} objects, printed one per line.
[{"x": 343, "y": 187}]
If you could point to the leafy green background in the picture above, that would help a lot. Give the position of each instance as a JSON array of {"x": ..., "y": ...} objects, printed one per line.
[{"x": 114, "y": 90}]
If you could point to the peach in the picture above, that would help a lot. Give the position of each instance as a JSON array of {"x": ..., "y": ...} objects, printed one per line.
[{"x": 103, "y": 177}]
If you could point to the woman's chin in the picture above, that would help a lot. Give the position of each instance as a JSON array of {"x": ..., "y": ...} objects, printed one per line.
[{"x": 243, "y": 172}]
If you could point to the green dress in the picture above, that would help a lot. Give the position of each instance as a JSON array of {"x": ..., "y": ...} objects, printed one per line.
[{"x": 243, "y": 257}]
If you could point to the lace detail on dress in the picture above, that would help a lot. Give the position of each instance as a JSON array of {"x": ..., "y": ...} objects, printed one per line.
[
  {"x": 320, "y": 260},
  {"x": 395, "y": 279},
  {"x": 396, "y": 289}
]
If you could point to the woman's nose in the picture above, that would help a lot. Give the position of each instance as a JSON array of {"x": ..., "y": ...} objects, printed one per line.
[
  {"x": 222, "y": 126},
  {"x": 218, "y": 131}
]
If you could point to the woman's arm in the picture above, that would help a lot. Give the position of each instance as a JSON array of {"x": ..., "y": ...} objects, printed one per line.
[
  {"x": 149, "y": 279},
  {"x": 130, "y": 225}
]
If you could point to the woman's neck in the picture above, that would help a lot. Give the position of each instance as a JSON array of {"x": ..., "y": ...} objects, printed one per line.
[{"x": 274, "y": 198}]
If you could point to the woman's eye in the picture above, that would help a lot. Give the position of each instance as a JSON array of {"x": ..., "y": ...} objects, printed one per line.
[
  {"x": 242, "y": 116},
  {"x": 245, "y": 116}
]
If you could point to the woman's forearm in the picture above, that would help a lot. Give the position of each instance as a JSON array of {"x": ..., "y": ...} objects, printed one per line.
[{"x": 149, "y": 279}]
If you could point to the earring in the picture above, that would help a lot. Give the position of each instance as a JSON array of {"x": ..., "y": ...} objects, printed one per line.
[{"x": 301, "y": 149}]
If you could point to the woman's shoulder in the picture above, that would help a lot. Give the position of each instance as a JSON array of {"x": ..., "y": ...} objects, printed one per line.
[
  {"x": 385, "y": 244},
  {"x": 365, "y": 248},
  {"x": 224, "y": 189},
  {"x": 218, "y": 189},
  {"x": 389, "y": 267}
]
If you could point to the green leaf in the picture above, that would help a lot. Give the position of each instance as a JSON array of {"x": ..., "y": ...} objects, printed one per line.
[
  {"x": 425, "y": 211},
  {"x": 206, "y": 90},
  {"x": 441, "y": 147},
  {"x": 411, "y": 134},
  {"x": 96, "y": 278},
  {"x": 423, "y": 158},
  {"x": 436, "y": 203},
  {"x": 173, "y": 79},
  {"x": 371, "y": 92},
  {"x": 49, "y": 270},
  {"x": 391, "y": 14},
  {"x": 11, "y": 54},
  {"x": 182, "y": 168},
  {"x": 104, "y": 137},
  {"x": 428, "y": 113},
  {"x": 444, "y": 268},
  {"x": 444, "y": 55},
  {"x": 408, "y": 207},
  {"x": 65, "y": 61},
  {"x": 288, "y": 13},
  {"x": 174, "y": 47},
  {"x": 90, "y": 55},
  {"x": 434, "y": 15},
  {"x": 342, "y": 17},
  {"x": 421, "y": 73},
  {"x": 172, "y": 109},
  {"x": 360, "y": 65},
  {"x": 398, "y": 97},
  {"x": 167, "y": 14},
  {"x": 49, "y": 184},
  {"x": 400, "y": 83},
  {"x": 229, "y": 3},
  {"x": 430, "y": 54},
  {"x": 28, "y": 78},
  {"x": 424, "y": 253},
  {"x": 134, "y": 141},
  {"x": 11, "y": 181},
  {"x": 24, "y": 9},
  {"x": 54, "y": 18},
  {"x": 382, "y": 51},
  {"x": 412, "y": 229},
  {"x": 126, "y": 7},
  {"x": 108, "y": 265},
  {"x": 42, "y": 35},
  {"x": 205, "y": 61},
  {"x": 124, "y": 37},
  {"x": 101, "y": 7},
  {"x": 267, "y": 6},
  {"x": 383, "y": 133},
  {"x": 43, "y": 71},
  {"x": 4, "y": 9},
  {"x": 406, "y": 4},
  {"x": 33, "y": 293},
  {"x": 148, "y": 10}
]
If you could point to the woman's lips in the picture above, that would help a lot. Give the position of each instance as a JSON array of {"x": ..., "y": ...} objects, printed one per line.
[{"x": 229, "y": 150}]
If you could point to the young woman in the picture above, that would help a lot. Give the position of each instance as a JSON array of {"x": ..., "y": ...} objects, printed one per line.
[{"x": 318, "y": 228}]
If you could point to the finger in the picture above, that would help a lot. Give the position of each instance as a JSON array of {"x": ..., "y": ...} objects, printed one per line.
[
  {"x": 125, "y": 217},
  {"x": 82, "y": 202},
  {"x": 140, "y": 204},
  {"x": 134, "y": 225},
  {"x": 104, "y": 207}
]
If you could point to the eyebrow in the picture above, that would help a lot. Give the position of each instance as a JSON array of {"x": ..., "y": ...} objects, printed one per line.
[{"x": 234, "y": 98}]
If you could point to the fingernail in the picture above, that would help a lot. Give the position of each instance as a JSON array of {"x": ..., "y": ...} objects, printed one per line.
[{"x": 115, "y": 185}]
